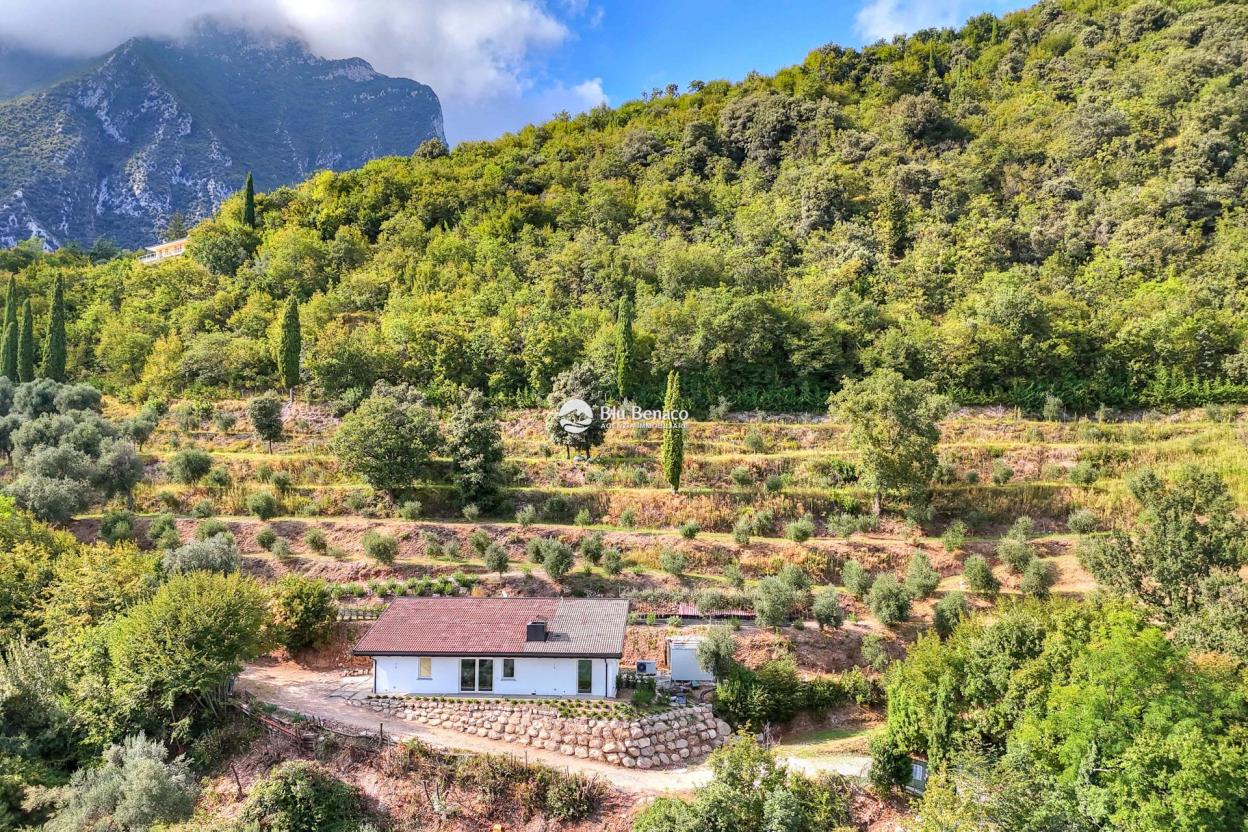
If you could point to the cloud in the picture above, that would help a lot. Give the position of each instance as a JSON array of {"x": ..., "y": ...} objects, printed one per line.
[
  {"x": 476, "y": 54},
  {"x": 881, "y": 19}
]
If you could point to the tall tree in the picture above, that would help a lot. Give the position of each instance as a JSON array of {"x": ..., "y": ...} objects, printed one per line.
[
  {"x": 54, "y": 347},
  {"x": 475, "y": 445},
  {"x": 673, "y": 433},
  {"x": 893, "y": 425},
  {"x": 289, "y": 346},
  {"x": 26, "y": 344},
  {"x": 8, "y": 349},
  {"x": 249, "y": 202},
  {"x": 625, "y": 360}
]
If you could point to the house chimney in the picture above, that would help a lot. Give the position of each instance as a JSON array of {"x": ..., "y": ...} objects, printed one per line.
[{"x": 535, "y": 631}]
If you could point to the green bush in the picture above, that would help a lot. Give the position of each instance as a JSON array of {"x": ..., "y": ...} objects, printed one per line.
[
  {"x": 315, "y": 540},
  {"x": 950, "y": 609},
  {"x": 263, "y": 504},
  {"x": 1016, "y": 554},
  {"x": 978, "y": 576},
  {"x": 213, "y": 527},
  {"x": 1001, "y": 473},
  {"x": 954, "y": 537},
  {"x": 162, "y": 531},
  {"x": 741, "y": 476},
  {"x": 583, "y": 518},
  {"x": 117, "y": 525},
  {"x": 1038, "y": 579},
  {"x": 265, "y": 538},
  {"x": 1023, "y": 528},
  {"x": 889, "y": 600},
  {"x": 303, "y": 612},
  {"x": 689, "y": 529},
  {"x": 827, "y": 608},
  {"x": 874, "y": 654},
  {"x": 591, "y": 548},
  {"x": 410, "y": 510},
  {"x": 800, "y": 530},
  {"x": 203, "y": 509},
  {"x": 1083, "y": 473},
  {"x": 299, "y": 796},
  {"x": 1081, "y": 521},
  {"x": 381, "y": 547},
  {"x": 612, "y": 562},
  {"x": 188, "y": 466},
  {"x": 526, "y": 516},
  {"x": 479, "y": 541},
  {"x": 672, "y": 561},
  {"x": 921, "y": 577},
  {"x": 856, "y": 579},
  {"x": 774, "y": 484}
]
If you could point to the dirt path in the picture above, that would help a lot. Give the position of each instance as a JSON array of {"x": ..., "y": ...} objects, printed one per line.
[{"x": 329, "y": 695}]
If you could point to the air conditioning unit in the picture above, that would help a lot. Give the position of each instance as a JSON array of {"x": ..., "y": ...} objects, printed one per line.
[{"x": 647, "y": 667}]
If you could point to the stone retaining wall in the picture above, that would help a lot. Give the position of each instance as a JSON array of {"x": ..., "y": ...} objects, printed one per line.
[{"x": 678, "y": 736}]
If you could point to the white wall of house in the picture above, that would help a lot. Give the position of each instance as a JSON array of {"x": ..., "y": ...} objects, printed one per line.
[{"x": 532, "y": 676}]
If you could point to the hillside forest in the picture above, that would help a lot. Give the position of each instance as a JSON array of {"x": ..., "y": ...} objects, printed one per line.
[{"x": 1051, "y": 202}]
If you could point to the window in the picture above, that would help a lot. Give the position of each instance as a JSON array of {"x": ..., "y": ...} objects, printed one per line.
[
  {"x": 584, "y": 676},
  {"x": 425, "y": 667},
  {"x": 509, "y": 668},
  {"x": 476, "y": 675}
]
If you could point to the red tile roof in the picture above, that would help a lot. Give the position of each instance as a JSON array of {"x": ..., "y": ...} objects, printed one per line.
[{"x": 587, "y": 628}]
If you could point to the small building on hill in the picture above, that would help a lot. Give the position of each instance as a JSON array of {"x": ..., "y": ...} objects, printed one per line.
[
  {"x": 497, "y": 646},
  {"x": 163, "y": 251}
]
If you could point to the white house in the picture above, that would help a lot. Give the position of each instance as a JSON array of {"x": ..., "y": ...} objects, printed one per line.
[
  {"x": 163, "y": 251},
  {"x": 497, "y": 646}
]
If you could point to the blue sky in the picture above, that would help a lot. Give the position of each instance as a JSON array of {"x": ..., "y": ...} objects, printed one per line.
[{"x": 500, "y": 64}]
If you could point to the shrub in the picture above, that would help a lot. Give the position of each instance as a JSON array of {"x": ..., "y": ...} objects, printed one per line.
[
  {"x": 1016, "y": 554},
  {"x": 949, "y": 611},
  {"x": 526, "y": 516},
  {"x": 672, "y": 561},
  {"x": 1023, "y": 528},
  {"x": 773, "y": 602},
  {"x": 203, "y": 509},
  {"x": 1081, "y": 521},
  {"x": 216, "y": 554},
  {"x": 978, "y": 576},
  {"x": 715, "y": 650},
  {"x": 304, "y": 612},
  {"x": 741, "y": 476},
  {"x": 827, "y": 608},
  {"x": 874, "y": 654},
  {"x": 856, "y": 579},
  {"x": 471, "y": 512},
  {"x": 628, "y": 518},
  {"x": 557, "y": 560},
  {"x": 263, "y": 504},
  {"x": 889, "y": 600},
  {"x": 1053, "y": 410},
  {"x": 117, "y": 525},
  {"x": 265, "y": 414},
  {"x": 689, "y": 529},
  {"x": 265, "y": 538},
  {"x": 732, "y": 574},
  {"x": 536, "y": 549},
  {"x": 801, "y": 530},
  {"x": 921, "y": 578},
  {"x": 479, "y": 541},
  {"x": 591, "y": 548},
  {"x": 755, "y": 442},
  {"x": 1038, "y": 579},
  {"x": 555, "y": 508},
  {"x": 188, "y": 466},
  {"x": 381, "y": 547},
  {"x": 495, "y": 559},
  {"x": 1001, "y": 473},
  {"x": 282, "y": 481},
  {"x": 212, "y": 528},
  {"x": 410, "y": 510},
  {"x": 315, "y": 540},
  {"x": 134, "y": 788},
  {"x": 1083, "y": 473},
  {"x": 774, "y": 484},
  {"x": 741, "y": 530},
  {"x": 218, "y": 477},
  {"x": 162, "y": 531},
  {"x": 612, "y": 562},
  {"x": 583, "y": 518},
  {"x": 299, "y": 796}
]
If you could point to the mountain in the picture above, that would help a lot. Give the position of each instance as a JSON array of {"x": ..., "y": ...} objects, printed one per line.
[{"x": 163, "y": 126}]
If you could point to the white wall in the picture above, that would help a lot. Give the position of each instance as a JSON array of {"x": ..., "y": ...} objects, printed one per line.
[
  {"x": 682, "y": 661},
  {"x": 534, "y": 676}
]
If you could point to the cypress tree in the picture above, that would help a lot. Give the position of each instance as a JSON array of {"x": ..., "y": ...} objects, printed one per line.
[
  {"x": 249, "y": 202},
  {"x": 54, "y": 346},
  {"x": 26, "y": 344},
  {"x": 289, "y": 347},
  {"x": 673, "y": 451},
  {"x": 9, "y": 354},
  {"x": 624, "y": 348}
]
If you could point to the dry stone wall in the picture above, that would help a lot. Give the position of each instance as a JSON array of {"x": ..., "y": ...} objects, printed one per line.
[{"x": 676, "y": 737}]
